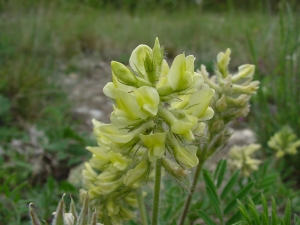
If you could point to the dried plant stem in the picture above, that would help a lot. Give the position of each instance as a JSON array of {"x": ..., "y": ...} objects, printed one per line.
[{"x": 157, "y": 182}]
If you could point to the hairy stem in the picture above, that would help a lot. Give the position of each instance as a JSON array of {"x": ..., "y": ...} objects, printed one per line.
[
  {"x": 191, "y": 192},
  {"x": 157, "y": 182},
  {"x": 142, "y": 208}
]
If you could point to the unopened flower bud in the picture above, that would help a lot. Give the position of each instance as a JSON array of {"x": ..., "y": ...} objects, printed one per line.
[
  {"x": 157, "y": 53},
  {"x": 245, "y": 71},
  {"x": 138, "y": 174},
  {"x": 217, "y": 126},
  {"x": 242, "y": 112},
  {"x": 240, "y": 101},
  {"x": 123, "y": 73},
  {"x": 174, "y": 169},
  {"x": 179, "y": 125},
  {"x": 137, "y": 60},
  {"x": 227, "y": 84},
  {"x": 112, "y": 208},
  {"x": 186, "y": 156},
  {"x": 155, "y": 144},
  {"x": 249, "y": 89},
  {"x": 150, "y": 68},
  {"x": 223, "y": 61},
  {"x": 221, "y": 104},
  {"x": 125, "y": 76}
]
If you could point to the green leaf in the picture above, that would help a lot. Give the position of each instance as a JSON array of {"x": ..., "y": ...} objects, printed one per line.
[
  {"x": 273, "y": 205},
  {"x": 264, "y": 218},
  {"x": 287, "y": 213},
  {"x": 217, "y": 170},
  {"x": 206, "y": 218},
  {"x": 73, "y": 210},
  {"x": 256, "y": 198},
  {"x": 274, "y": 215},
  {"x": 59, "y": 214},
  {"x": 232, "y": 181},
  {"x": 240, "y": 223},
  {"x": 5, "y": 105},
  {"x": 253, "y": 211},
  {"x": 244, "y": 212},
  {"x": 221, "y": 173},
  {"x": 254, "y": 214},
  {"x": 281, "y": 222},
  {"x": 296, "y": 220},
  {"x": 241, "y": 195},
  {"x": 235, "y": 218},
  {"x": 267, "y": 181},
  {"x": 265, "y": 205},
  {"x": 212, "y": 194},
  {"x": 209, "y": 183},
  {"x": 215, "y": 202}
]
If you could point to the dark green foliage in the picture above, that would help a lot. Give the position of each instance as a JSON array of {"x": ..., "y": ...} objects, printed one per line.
[
  {"x": 253, "y": 216},
  {"x": 222, "y": 195}
]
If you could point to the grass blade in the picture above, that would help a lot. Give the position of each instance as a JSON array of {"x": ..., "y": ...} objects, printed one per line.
[
  {"x": 264, "y": 219},
  {"x": 265, "y": 205},
  {"x": 287, "y": 213}
]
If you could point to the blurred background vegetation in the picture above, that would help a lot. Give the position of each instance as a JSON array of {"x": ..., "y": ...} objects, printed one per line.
[{"x": 43, "y": 42}]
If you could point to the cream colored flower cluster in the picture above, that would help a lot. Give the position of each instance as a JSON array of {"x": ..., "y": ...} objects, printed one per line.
[
  {"x": 240, "y": 157},
  {"x": 284, "y": 142},
  {"x": 158, "y": 115},
  {"x": 233, "y": 91},
  {"x": 231, "y": 99}
]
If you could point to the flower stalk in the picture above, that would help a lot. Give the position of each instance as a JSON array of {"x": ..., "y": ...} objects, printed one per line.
[
  {"x": 190, "y": 194},
  {"x": 142, "y": 209},
  {"x": 230, "y": 102},
  {"x": 157, "y": 183}
]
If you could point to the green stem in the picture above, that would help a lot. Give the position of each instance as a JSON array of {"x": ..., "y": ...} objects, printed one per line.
[
  {"x": 142, "y": 208},
  {"x": 157, "y": 181},
  {"x": 190, "y": 195}
]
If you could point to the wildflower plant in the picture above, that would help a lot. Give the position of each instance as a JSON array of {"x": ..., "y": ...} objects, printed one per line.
[
  {"x": 164, "y": 117},
  {"x": 169, "y": 118},
  {"x": 230, "y": 102},
  {"x": 157, "y": 123}
]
